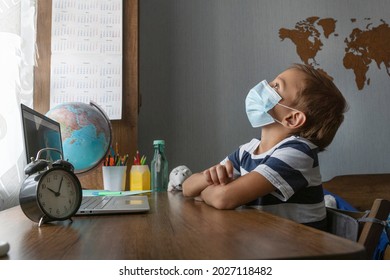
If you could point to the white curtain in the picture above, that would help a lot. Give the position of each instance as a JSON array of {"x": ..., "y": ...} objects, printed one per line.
[{"x": 17, "y": 53}]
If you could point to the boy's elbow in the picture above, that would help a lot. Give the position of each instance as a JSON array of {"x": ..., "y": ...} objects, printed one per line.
[{"x": 222, "y": 203}]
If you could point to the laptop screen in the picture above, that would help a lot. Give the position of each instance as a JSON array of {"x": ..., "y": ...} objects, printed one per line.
[{"x": 40, "y": 132}]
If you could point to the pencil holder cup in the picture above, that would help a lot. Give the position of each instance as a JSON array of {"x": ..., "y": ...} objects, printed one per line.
[
  {"x": 114, "y": 178},
  {"x": 139, "y": 178}
]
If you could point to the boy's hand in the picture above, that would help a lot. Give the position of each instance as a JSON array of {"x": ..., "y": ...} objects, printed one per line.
[{"x": 219, "y": 174}]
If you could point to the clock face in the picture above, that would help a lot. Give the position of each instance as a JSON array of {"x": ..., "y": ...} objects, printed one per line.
[{"x": 58, "y": 194}]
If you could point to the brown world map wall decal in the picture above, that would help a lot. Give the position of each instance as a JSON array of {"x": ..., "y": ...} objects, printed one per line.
[{"x": 363, "y": 46}]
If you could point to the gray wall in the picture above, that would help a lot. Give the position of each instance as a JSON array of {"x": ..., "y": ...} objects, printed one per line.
[{"x": 199, "y": 58}]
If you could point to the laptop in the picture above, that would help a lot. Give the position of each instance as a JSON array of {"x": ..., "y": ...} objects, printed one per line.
[
  {"x": 94, "y": 205},
  {"x": 42, "y": 132}
]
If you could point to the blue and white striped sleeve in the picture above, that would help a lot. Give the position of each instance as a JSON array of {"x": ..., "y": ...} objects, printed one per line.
[{"x": 291, "y": 167}]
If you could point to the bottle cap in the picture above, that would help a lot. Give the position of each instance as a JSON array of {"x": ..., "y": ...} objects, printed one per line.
[{"x": 158, "y": 142}]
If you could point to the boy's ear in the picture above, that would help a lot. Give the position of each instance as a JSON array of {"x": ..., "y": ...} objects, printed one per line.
[{"x": 295, "y": 119}]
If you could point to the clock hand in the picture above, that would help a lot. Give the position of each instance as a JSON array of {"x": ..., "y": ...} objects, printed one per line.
[
  {"x": 55, "y": 193},
  {"x": 59, "y": 189}
]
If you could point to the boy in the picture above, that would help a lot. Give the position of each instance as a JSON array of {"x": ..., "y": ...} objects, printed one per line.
[{"x": 299, "y": 113}]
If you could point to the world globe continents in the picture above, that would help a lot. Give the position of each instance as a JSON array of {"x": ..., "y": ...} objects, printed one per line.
[
  {"x": 86, "y": 133},
  {"x": 363, "y": 47}
]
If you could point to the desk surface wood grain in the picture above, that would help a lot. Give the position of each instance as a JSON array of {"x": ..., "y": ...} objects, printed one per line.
[{"x": 175, "y": 228}]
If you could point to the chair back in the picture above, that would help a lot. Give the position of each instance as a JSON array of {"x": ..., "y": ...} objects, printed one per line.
[
  {"x": 374, "y": 225},
  {"x": 362, "y": 227},
  {"x": 344, "y": 223}
]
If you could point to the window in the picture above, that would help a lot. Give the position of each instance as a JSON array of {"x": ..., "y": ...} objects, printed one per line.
[{"x": 17, "y": 53}]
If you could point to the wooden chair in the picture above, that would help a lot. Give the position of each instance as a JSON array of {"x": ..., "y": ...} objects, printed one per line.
[
  {"x": 361, "y": 190},
  {"x": 386, "y": 255},
  {"x": 360, "y": 227},
  {"x": 374, "y": 225}
]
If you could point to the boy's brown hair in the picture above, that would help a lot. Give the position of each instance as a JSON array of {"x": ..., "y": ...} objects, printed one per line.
[{"x": 323, "y": 105}]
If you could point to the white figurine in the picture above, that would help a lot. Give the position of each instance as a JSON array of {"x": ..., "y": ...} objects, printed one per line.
[{"x": 177, "y": 177}]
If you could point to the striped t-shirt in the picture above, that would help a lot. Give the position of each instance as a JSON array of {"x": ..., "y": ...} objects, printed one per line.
[{"x": 292, "y": 168}]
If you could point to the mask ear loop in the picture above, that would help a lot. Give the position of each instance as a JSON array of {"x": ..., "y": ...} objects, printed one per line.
[
  {"x": 285, "y": 106},
  {"x": 278, "y": 121}
]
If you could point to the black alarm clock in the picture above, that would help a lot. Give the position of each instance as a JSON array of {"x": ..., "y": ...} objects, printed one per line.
[{"x": 51, "y": 192}]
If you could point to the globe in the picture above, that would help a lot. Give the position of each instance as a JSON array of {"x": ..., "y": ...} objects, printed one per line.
[{"x": 86, "y": 133}]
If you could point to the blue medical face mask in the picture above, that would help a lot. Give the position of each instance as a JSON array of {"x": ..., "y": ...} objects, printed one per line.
[{"x": 259, "y": 101}]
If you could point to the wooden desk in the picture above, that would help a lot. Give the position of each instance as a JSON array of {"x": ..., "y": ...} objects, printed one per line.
[{"x": 175, "y": 228}]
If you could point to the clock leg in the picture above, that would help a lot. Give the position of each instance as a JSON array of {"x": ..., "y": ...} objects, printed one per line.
[{"x": 42, "y": 220}]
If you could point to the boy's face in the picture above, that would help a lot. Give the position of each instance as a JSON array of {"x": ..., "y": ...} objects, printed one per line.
[{"x": 287, "y": 84}]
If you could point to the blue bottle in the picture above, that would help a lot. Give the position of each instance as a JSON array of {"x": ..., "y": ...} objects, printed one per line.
[{"x": 159, "y": 167}]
